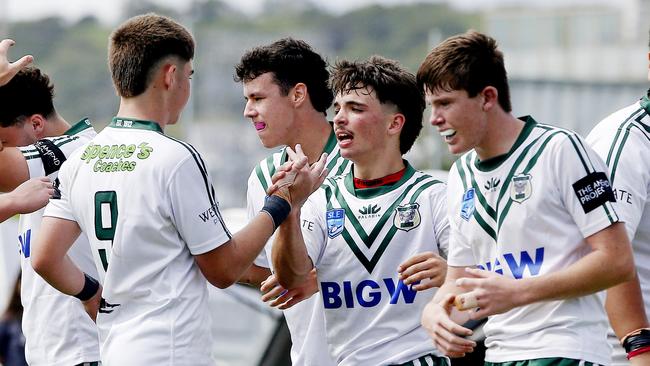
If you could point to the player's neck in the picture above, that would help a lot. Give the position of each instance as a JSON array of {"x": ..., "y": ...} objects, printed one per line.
[
  {"x": 143, "y": 108},
  {"x": 500, "y": 137},
  {"x": 56, "y": 126},
  {"x": 377, "y": 165},
  {"x": 312, "y": 135}
]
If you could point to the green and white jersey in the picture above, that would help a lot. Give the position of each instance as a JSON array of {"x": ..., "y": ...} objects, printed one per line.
[
  {"x": 622, "y": 140},
  {"x": 305, "y": 319},
  {"x": 357, "y": 239},
  {"x": 526, "y": 214},
  {"x": 147, "y": 204},
  {"x": 57, "y": 330}
]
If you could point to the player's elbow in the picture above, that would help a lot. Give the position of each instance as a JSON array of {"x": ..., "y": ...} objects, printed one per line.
[
  {"x": 622, "y": 267},
  {"x": 42, "y": 263},
  {"x": 222, "y": 281}
]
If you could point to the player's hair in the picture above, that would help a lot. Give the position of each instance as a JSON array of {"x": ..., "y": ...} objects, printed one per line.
[
  {"x": 137, "y": 47},
  {"x": 468, "y": 61},
  {"x": 291, "y": 61},
  {"x": 391, "y": 83},
  {"x": 29, "y": 92}
]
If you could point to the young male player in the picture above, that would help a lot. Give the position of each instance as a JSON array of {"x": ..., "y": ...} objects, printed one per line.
[
  {"x": 359, "y": 227},
  {"x": 620, "y": 140},
  {"x": 287, "y": 95},
  {"x": 531, "y": 217},
  {"x": 56, "y": 327},
  {"x": 148, "y": 206}
]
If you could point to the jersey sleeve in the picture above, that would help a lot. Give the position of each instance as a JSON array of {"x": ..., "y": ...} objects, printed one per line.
[
  {"x": 254, "y": 201},
  {"x": 584, "y": 185},
  {"x": 439, "y": 213},
  {"x": 630, "y": 176},
  {"x": 313, "y": 226},
  {"x": 60, "y": 205},
  {"x": 460, "y": 251},
  {"x": 195, "y": 208}
]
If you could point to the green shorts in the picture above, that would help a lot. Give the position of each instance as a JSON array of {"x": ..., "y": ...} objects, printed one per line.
[
  {"x": 544, "y": 362},
  {"x": 427, "y": 360}
]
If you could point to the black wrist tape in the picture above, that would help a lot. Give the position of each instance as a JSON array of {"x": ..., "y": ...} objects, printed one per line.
[
  {"x": 91, "y": 286},
  {"x": 637, "y": 340},
  {"x": 278, "y": 208}
]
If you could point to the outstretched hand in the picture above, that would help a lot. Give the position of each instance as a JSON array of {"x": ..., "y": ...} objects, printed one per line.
[
  {"x": 9, "y": 69},
  {"x": 32, "y": 195},
  {"x": 296, "y": 179}
]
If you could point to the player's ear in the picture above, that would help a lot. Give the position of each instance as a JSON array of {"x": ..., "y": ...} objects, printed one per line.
[
  {"x": 396, "y": 124},
  {"x": 298, "y": 94},
  {"x": 168, "y": 72},
  {"x": 36, "y": 124},
  {"x": 490, "y": 98}
]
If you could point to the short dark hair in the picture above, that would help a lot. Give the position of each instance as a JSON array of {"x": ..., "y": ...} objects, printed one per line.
[
  {"x": 29, "y": 92},
  {"x": 138, "y": 45},
  {"x": 391, "y": 84},
  {"x": 291, "y": 61},
  {"x": 470, "y": 61}
]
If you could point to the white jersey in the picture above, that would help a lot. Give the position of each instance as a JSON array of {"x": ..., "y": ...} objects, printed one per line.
[
  {"x": 147, "y": 204},
  {"x": 57, "y": 329},
  {"x": 526, "y": 214},
  {"x": 623, "y": 140},
  {"x": 357, "y": 239},
  {"x": 305, "y": 319}
]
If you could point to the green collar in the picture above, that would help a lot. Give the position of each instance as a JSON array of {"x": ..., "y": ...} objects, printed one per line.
[
  {"x": 378, "y": 191},
  {"x": 119, "y": 122},
  {"x": 493, "y": 163},
  {"x": 84, "y": 124},
  {"x": 645, "y": 102}
]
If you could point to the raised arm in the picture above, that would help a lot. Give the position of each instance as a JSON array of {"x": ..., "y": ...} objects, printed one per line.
[
  {"x": 9, "y": 69},
  {"x": 28, "y": 197}
]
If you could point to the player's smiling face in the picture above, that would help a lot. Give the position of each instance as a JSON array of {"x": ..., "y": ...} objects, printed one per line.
[
  {"x": 460, "y": 120},
  {"x": 270, "y": 111},
  {"x": 360, "y": 124}
]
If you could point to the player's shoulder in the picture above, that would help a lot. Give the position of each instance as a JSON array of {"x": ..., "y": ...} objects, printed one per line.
[
  {"x": 621, "y": 119},
  {"x": 264, "y": 170}
]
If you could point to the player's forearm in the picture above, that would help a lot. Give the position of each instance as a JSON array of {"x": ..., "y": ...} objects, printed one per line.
[
  {"x": 594, "y": 272},
  {"x": 7, "y": 207},
  {"x": 255, "y": 275},
  {"x": 49, "y": 257},
  {"x": 290, "y": 258},
  {"x": 625, "y": 308},
  {"x": 449, "y": 286},
  {"x": 62, "y": 274}
]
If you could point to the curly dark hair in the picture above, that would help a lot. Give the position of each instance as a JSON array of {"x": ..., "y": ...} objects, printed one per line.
[
  {"x": 391, "y": 84},
  {"x": 291, "y": 61},
  {"x": 29, "y": 92}
]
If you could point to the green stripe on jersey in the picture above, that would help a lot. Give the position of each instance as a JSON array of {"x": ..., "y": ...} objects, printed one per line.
[
  {"x": 421, "y": 183},
  {"x": 543, "y": 362}
]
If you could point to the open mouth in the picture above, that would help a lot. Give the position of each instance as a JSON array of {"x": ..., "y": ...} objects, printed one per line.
[
  {"x": 259, "y": 126},
  {"x": 343, "y": 136},
  {"x": 448, "y": 134}
]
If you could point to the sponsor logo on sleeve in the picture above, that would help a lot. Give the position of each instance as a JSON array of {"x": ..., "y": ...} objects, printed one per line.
[
  {"x": 593, "y": 191},
  {"x": 335, "y": 222},
  {"x": 467, "y": 206},
  {"x": 50, "y": 154}
]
